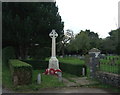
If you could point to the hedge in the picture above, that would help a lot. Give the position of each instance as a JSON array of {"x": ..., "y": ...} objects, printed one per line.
[
  {"x": 7, "y": 53},
  {"x": 21, "y": 72},
  {"x": 75, "y": 69},
  {"x": 37, "y": 64}
]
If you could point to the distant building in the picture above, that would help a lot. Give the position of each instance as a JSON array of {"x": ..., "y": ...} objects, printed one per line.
[{"x": 119, "y": 14}]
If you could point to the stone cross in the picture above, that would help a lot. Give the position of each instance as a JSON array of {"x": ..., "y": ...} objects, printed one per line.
[
  {"x": 53, "y": 62},
  {"x": 53, "y": 35}
]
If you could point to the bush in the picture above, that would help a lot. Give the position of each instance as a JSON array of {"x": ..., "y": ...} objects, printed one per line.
[
  {"x": 40, "y": 53},
  {"x": 7, "y": 53},
  {"x": 37, "y": 64},
  {"x": 21, "y": 72},
  {"x": 75, "y": 69}
]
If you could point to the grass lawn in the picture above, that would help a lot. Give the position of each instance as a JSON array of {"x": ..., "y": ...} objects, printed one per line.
[
  {"x": 70, "y": 60},
  {"x": 47, "y": 81}
]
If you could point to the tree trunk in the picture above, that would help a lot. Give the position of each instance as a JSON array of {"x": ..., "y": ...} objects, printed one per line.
[
  {"x": 63, "y": 52},
  {"x": 22, "y": 52}
]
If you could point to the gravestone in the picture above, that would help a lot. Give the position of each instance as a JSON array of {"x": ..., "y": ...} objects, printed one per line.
[
  {"x": 53, "y": 67},
  {"x": 39, "y": 78}
]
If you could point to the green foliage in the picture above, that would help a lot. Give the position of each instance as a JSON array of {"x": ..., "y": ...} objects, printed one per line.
[
  {"x": 40, "y": 54},
  {"x": 30, "y": 24},
  {"x": 86, "y": 40},
  {"x": 6, "y": 77},
  {"x": 111, "y": 43},
  {"x": 37, "y": 64},
  {"x": 16, "y": 63},
  {"x": 7, "y": 53},
  {"x": 68, "y": 65},
  {"x": 75, "y": 69},
  {"x": 22, "y": 70},
  {"x": 47, "y": 82},
  {"x": 83, "y": 42}
]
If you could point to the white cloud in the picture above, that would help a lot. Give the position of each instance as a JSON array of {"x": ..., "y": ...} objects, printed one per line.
[{"x": 97, "y": 15}]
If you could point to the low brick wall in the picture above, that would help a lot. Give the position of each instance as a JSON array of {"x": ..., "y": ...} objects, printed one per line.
[{"x": 108, "y": 78}]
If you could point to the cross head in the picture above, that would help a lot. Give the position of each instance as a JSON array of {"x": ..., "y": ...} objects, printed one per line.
[{"x": 53, "y": 34}]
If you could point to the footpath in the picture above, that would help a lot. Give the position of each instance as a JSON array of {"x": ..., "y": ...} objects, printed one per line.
[{"x": 73, "y": 85}]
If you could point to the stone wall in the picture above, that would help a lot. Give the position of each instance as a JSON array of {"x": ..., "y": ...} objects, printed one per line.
[{"x": 108, "y": 78}]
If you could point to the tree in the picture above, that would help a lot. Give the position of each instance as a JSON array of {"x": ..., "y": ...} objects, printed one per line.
[
  {"x": 111, "y": 43},
  {"x": 84, "y": 41},
  {"x": 80, "y": 44},
  {"x": 26, "y": 25},
  {"x": 66, "y": 38}
]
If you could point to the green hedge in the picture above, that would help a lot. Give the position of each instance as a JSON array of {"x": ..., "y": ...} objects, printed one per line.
[
  {"x": 37, "y": 64},
  {"x": 21, "y": 72},
  {"x": 7, "y": 53},
  {"x": 75, "y": 69}
]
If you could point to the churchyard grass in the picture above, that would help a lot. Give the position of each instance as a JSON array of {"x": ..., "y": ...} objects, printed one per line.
[
  {"x": 47, "y": 81},
  {"x": 70, "y": 60},
  {"x": 6, "y": 77}
]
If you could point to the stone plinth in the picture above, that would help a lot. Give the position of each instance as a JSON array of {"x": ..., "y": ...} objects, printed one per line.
[{"x": 53, "y": 63}]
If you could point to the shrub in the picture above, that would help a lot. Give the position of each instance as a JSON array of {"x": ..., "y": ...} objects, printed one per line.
[
  {"x": 75, "y": 69},
  {"x": 40, "y": 53},
  {"x": 7, "y": 53},
  {"x": 37, "y": 64},
  {"x": 21, "y": 72}
]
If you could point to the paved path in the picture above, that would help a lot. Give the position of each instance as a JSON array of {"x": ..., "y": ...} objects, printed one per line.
[
  {"x": 74, "y": 90},
  {"x": 72, "y": 86},
  {"x": 68, "y": 90},
  {"x": 80, "y": 81}
]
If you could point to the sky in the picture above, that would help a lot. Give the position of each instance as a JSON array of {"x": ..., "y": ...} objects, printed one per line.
[{"x": 100, "y": 16}]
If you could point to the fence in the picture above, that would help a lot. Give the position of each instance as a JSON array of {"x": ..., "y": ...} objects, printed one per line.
[{"x": 110, "y": 65}]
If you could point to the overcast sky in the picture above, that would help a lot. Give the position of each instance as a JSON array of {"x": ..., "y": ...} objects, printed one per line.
[{"x": 100, "y": 16}]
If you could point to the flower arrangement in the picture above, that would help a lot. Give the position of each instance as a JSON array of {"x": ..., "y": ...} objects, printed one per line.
[{"x": 52, "y": 71}]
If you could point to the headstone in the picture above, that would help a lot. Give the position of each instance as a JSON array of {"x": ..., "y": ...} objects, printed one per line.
[
  {"x": 15, "y": 80},
  {"x": 83, "y": 71},
  {"x": 59, "y": 76},
  {"x": 39, "y": 78}
]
